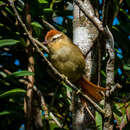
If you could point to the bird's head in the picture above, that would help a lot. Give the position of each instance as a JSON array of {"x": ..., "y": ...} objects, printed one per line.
[{"x": 53, "y": 35}]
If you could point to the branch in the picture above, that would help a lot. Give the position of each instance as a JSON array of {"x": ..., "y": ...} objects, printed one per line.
[
  {"x": 48, "y": 24},
  {"x": 89, "y": 15},
  {"x": 56, "y": 121},
  {"x": 113, "y": 89},
  {"x": 42, "y": 101},
  {"x": 110, "y": 77},
  {"x": 44, "y": 107}
]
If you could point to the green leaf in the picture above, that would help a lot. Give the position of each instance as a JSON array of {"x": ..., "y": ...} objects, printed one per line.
[
  {"x": 103, "y": 73},
  {"x": 20, "y": 73},
  {"x": 119, "y": 112},
  {"x": 5, "y": 113},
  {"x": 47, "y": 10},
  {"x": 1, "y": 2},
  {"x": 126, "y": 67},
  {"x": 36, "y": 24},
  {"x": 8, "y": 42},
  {"x": 12, "y": 92},
  {"x": 43, "y": 1},
  {"x": 98, "y": 119},
  {"x": 67, "y": 87}
]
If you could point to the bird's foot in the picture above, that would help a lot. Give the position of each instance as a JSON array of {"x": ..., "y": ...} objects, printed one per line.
[
  {"x": 62, "y": 78},
  {"x": 78, "y": 91}
]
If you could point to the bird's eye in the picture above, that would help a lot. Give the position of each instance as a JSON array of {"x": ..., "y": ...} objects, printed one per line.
[
  {"x": 54, "y": 38},
  {"x": 57, "y": 36}
]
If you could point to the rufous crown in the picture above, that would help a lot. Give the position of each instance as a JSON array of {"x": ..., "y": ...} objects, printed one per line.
[{"x": 50, "y": 34}]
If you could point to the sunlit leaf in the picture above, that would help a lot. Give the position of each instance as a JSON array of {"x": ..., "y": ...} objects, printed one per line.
[
  {"x": 20, "y": 73},
  {"x": 5, "y": 113},
  {"x": 13, "y": 92},
  {"x": 47, "y": 10},
  {"x": 43, "y": 1},
  {"x": 103, "y": 73},
  {"x": 8, "y": 42},
  {"x": 67, "y": 87},
  {"x": 36, "y": 24},
  {"x": 1, "y": 2},
  {"x": 98, "y": 119},
  {"x": 119, "y": 112},
  {"x": 126, "y": 67}
]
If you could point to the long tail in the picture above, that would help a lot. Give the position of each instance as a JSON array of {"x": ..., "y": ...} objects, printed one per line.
[{"x": 93, "y": 91}]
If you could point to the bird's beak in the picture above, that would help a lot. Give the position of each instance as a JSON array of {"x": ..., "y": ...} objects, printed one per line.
[{"x": 45, "y": 43}]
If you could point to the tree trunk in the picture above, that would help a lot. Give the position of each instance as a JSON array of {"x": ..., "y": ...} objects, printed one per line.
[
  {"x": 84, "y": 36},
  {"x": 31, "y": 104}
]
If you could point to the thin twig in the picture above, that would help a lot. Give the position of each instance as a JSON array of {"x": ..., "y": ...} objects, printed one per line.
[
  {"x": 42, "y": 100},
  {"x": 92, "y": 116},
  {"x": 56, "y": 121},
  {"x": 48, "y": 24},
  {"x": 113, "y": 89},
  {"x": 44, "y": 107}
]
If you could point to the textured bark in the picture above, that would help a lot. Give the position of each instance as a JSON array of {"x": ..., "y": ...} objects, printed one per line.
[
  {"x": 31, "y": 107},
  {"x": 109, "y": 80},
  {"x": 30, "y": 66},
  {"x": 84, "y": 35}
]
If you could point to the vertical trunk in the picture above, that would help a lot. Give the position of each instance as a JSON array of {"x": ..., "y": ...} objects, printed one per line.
[
  {"x": 30, "y": 66},
  {"x": 84, "y": 35},
  {"x": 31, "y": 104}
]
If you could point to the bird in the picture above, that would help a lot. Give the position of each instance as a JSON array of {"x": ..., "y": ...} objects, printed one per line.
[{"x": 69, "y": 60}]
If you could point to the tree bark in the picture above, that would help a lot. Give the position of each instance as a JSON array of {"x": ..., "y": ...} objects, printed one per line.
[
  {"x": 84, "y": 35},
  {"x": 109, "y": 80},
  {"x": 31, "y": 104},
  {"x": 30, "y": 66}
]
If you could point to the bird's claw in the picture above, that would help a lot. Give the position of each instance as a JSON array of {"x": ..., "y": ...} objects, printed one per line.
[
  {"x": 64, "y": 77},
  {"x": 78, "y": 91}
]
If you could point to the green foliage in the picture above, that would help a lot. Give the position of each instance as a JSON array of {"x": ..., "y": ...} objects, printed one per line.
[
  {"x": 19, "y": 73},
  {"x": 126, "y": 67},
  {"x": 13, "y": 47},
  {"x": 98, "y": 119},
  {"x": 12, "y": 92},
  {"x": 8, "y": 42},
  {"x": 121, "y": 113}
]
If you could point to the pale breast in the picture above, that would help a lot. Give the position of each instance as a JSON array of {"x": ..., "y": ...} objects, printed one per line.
[{"x": 68, "y": 60}]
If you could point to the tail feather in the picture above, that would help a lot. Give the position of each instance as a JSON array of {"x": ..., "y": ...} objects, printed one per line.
[{"x": 92, "y": 90}]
